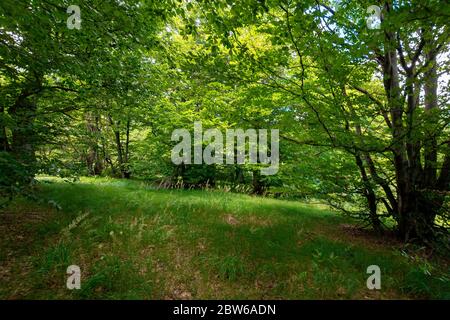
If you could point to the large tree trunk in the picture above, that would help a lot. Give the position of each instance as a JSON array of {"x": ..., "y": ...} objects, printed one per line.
[
  {"x": 417, "y": 204},
  {"x": 24, "y": 139},
  {"x": 395, "y": 104}
]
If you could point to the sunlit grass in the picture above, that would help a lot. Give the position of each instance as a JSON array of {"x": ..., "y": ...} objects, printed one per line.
[{"x": 134, "y": 242}]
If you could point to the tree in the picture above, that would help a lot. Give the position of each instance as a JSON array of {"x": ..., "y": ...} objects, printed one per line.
[
  {"x": 41, "y": 56},
  {"x": 370, "y": 93}
]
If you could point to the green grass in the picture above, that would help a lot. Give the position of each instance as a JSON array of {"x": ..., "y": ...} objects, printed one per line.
[{"x": 133, "y": 242}]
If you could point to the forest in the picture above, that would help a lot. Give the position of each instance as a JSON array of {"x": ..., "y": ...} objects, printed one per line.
[{"x": 273, "y": 149}]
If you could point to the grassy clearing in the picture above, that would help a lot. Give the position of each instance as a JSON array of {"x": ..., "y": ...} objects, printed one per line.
[{"x": 133, "y": 242}]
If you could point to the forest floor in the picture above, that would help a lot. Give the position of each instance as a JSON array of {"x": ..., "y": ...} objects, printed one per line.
[{"x": 134, "y": 242}]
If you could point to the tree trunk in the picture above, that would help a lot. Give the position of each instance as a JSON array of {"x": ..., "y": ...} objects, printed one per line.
[
  {"x": 370, "y": 196},
  {"x": 120, "y": 153},
  {"x": 395, "y": 104},
  {"x": 4, "y": 144},
  {"x": 126, "y": 173},
  {"x": 24, "y": 139},
  {"x": 417, "y": 207},
  {"x": 430, "y": 200},
  {"x": 93, "y": 158},
  {"x": 258, "y": 184}
]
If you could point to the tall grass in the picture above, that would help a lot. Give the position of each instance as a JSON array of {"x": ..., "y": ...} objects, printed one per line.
[{"x": 134, "y": 242}]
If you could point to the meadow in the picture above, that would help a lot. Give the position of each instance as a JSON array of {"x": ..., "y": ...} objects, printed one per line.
[{"x": 132, "y": 241}]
